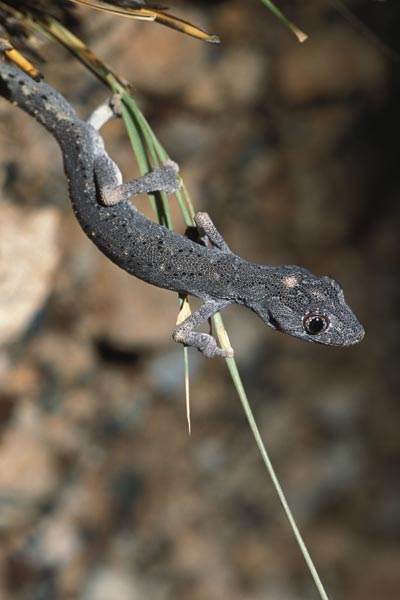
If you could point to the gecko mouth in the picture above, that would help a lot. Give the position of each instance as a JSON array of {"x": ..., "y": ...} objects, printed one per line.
[
  {"x": 350, "y": 339},
  {"x": 358, "y": 337}
]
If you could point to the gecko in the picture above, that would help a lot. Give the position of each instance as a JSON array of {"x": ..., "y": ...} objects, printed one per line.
[{"x": 288, "y": 298}]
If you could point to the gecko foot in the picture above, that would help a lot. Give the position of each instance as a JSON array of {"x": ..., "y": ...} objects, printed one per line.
[
  {"x": 207, "y": 228},
  {"x": 164, "y": 179},
  {"x": 204, "y": 342},
  {"x": 115, "y": 103}
]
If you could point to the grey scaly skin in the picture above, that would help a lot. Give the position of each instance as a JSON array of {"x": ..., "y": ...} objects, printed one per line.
[{"x": 287, "y": 298}]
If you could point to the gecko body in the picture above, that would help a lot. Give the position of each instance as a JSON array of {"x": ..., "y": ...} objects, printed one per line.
[{"x": 288, "y": 298}]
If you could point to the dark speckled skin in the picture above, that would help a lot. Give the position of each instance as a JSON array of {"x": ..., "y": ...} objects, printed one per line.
[{"x": 281, "y": 296}]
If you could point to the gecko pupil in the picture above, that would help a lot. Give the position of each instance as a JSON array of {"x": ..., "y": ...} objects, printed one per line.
[{"x": 314, "y": 323}]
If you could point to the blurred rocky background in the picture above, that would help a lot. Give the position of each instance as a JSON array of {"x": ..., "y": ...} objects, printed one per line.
[{"x": 294, "y": 151}]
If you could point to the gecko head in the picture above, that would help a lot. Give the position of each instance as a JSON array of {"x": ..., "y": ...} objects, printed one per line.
[{"x": 308, "y": 307}]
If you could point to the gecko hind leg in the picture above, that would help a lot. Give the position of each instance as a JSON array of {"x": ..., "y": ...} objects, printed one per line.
[
  {"x": 160, "y": 179},
  {"x": 206, "y": 227},
  {"x": 204, "y": 342},
  {"x": 108, "y": 177}
]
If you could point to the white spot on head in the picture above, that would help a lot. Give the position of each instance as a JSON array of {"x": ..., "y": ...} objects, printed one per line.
[{"x": 290, "y": 281}]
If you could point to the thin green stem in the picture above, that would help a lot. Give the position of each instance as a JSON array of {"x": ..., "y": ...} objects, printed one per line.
[
  {"x": 301, "y": 36},
  {"x": 233, "y": 370}
]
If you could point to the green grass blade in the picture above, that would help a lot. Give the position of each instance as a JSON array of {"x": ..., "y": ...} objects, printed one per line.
[
  {"x": 301, "y": 36},
  {"x": 237, "y": 381}
]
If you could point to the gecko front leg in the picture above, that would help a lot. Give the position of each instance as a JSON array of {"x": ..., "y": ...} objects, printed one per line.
[
  {"x": 184, "y": 333},
  {"x": 207, "y": 228},
  {"x": 204, "y": 342}
]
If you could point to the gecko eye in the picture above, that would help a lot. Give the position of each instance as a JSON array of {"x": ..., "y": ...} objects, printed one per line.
[{"x": 315, "y": 323}]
